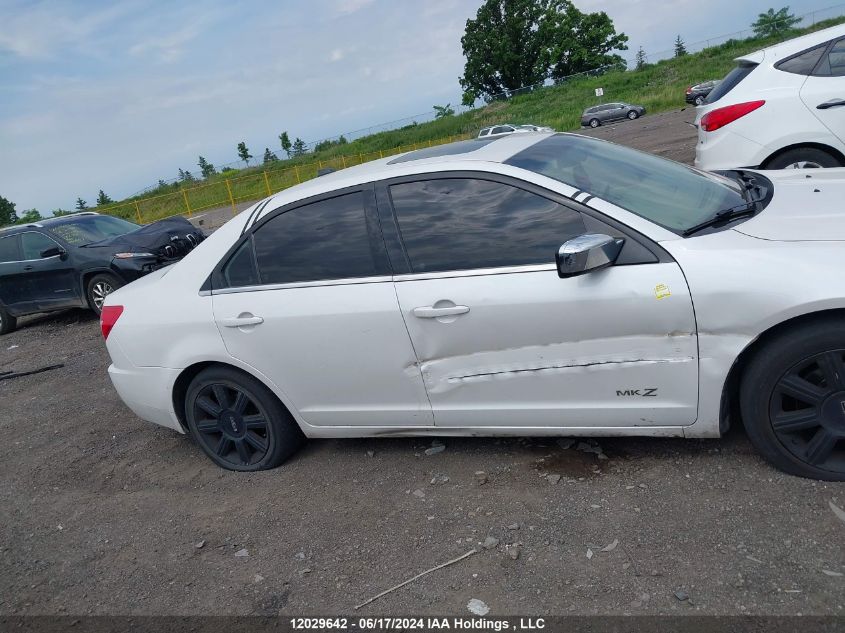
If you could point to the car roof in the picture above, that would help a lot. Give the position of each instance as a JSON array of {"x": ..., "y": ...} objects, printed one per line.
[
  {"x": 45, "y": 223},
  {"x": 777, "y": 52},
  {"x": 437, "y": 158}
]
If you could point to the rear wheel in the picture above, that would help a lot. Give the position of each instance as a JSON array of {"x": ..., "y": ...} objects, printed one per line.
[
  {"x": 238, "y": 422},
  {"x": 804, "y": 158},
  {"x": 699, "y": 100},
  {"x": 595, "y": 123},
  {"x": 99, "y": 287},
  {"x": 793, "y": 400},
  {"x": 8, "y": 323}
]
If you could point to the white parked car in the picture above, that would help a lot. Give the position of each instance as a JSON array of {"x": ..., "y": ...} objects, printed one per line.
[
  {"x": 504, "y": 129},
  {"x": 781, "y": 107},
  {"x": 535, "y": 284}
]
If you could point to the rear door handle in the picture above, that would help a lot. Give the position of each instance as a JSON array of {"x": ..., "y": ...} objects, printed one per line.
[
  {"x": 27, "y": 268},
  {"x": 241, "y": 321},
  {"x": 833, "y": 103},
  {"x": 430, "y": 312}
]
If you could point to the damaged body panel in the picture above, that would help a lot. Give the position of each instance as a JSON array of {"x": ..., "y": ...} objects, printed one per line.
[{"x": 537, "y": 350}]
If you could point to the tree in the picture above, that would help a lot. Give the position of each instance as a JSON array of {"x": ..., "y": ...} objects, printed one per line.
[
  {"x": 514, "y": 44},
  {"x": 188, "y": 176},
  {"x": 7, "y": 212},
  {"x": 640, "y": 60},
  {"x": 81, "y": 205},
  {"x": 284, "y": 139},
  {"x": 57, "y": 213},
  {"x": 680, "y": 48},
  {"x": 443, "y": 111},
  {"x": 243, "y": 153},
  {"x": 206, "y": 168},
  {"x": 774, "y": 22},
  {"x": 299, "y": 147},
  {"x": 29, "y": 216},
  {"x": 269, "y": 157},
  {"x": 181, "y": 174},
  {"x": 576, "y": 42},
  {"x": 102, "y": 198}
]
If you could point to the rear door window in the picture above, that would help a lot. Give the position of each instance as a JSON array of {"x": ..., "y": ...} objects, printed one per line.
[
  {"x": 833, "y": 63},
  {"x": 9, "y": 251},
  {"x": 804, "y": 62},
  {"x": 323, "y": 240},
  {"x": 730, "y": 81}
]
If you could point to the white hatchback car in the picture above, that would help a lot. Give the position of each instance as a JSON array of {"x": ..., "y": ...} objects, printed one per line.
[
  {"x": 535, "y": 284},
  {"x": 781, "y": 107}
]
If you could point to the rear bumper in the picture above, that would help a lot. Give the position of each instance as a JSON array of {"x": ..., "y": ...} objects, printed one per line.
[
  {"x": 148, "y": 392},
  {"x": 724, "y": 149}
]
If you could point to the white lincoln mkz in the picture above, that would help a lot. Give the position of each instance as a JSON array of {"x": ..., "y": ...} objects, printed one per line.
[{"x": 535, "y": 284}]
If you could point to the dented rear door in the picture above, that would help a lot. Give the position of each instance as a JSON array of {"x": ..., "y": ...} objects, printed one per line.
[{"x": 517, "y": 346}]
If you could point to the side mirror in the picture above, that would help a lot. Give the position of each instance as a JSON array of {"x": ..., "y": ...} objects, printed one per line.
[
  {"x": 591, "y": 251},
  {"x": 56, "y": 251}
]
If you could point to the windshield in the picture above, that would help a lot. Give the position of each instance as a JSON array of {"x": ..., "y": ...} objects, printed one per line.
[
  {"x": 92, "y": 228},
  {"x": 667, "y": 193}
]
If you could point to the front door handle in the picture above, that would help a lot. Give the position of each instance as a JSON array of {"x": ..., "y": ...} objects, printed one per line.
[
  {"x": 241, "y": 321},
  {"x": 833, "y": 103},
  {"x": 430, "y": 312},
  {"x": 27, "y": 268}
]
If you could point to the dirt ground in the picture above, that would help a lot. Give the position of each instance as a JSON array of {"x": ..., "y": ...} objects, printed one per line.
[{"x": 103, "y": 513}]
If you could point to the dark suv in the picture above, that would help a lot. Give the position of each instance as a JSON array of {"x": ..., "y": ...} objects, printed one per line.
[{"x": 75, "y": 261}]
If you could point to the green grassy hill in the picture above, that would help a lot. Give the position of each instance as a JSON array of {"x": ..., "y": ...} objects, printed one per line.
[{"x": 659, "y": 87}]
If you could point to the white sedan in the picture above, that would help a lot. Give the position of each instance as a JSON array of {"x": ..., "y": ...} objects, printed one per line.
[{"x": 535, "y": 284}]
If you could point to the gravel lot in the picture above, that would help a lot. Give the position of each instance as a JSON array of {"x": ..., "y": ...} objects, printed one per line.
[{"x": 103, "y": 513}]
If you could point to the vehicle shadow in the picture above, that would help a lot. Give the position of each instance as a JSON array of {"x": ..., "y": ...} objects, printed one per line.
[{"x": 63, "y": 317}]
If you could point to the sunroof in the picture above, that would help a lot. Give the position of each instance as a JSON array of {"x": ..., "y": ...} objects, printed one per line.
[{"x": 449, "y": 149}]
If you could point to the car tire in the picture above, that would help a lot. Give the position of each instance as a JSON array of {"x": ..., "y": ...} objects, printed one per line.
[
  {"x": 238, "y": 422},
  {"x": 594, "y": 123},
  {"x": 8, "y": 323},
  {"x": 699, "y": 100},
  {"x": 633, "y": 114},
  {"x": 98, "y": 288},
  {"x": 804, "y": 158},
  {"x": 792, "y": 400}
]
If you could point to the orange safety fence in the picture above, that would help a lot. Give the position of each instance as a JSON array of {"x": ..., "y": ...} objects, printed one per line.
[{"x": 220, "y": 191}]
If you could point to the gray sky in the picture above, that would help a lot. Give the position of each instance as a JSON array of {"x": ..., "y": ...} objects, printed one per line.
[{"x": 115, "y": 95}]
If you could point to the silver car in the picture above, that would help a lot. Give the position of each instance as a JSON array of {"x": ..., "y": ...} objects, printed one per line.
[{"x": 606, "y": 112}]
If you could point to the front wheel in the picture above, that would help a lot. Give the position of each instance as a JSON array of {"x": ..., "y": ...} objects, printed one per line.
[
  {"x": 99, "y": 287},
  {"x": 804, "y": 158},
  {"x": 633, "y": 115},
  {"x": 238, "y": 422},
  {"x": 8, "y": 323},
  {"x": 792, "y": 398},
  {"x": 594, "y": 123}
]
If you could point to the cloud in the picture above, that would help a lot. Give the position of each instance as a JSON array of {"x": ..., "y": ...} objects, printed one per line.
[{"x": 346, "y": 7}]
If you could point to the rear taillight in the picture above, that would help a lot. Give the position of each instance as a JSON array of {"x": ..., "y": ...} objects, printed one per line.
[
  {"x": 108, "y": 317},
  {"x": 689, "y": 90},
  {"x": 720, "y": 117}
]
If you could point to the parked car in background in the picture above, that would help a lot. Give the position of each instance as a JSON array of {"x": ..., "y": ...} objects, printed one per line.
[
  {"x": 607, "y": 112},
  {"x": 504, "y": 129},
  {"x": 76, "y": 261},
  {"x": 782, "y": 107},
  {"x": 532, "y": 284},
  {"x": 697, "y": 94},
  {"x": 535, "y": 128}
]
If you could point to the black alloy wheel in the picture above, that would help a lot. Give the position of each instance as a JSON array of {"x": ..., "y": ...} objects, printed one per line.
[
  {"x": 231, "y": 424},
  {"x": 807, "y": 410},
  {"x": 238, "y": 422},
  {"x": 792, "y": 399}
]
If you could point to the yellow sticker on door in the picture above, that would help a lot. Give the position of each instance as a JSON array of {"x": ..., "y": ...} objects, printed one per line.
[{"x": 661, "y": 291}]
